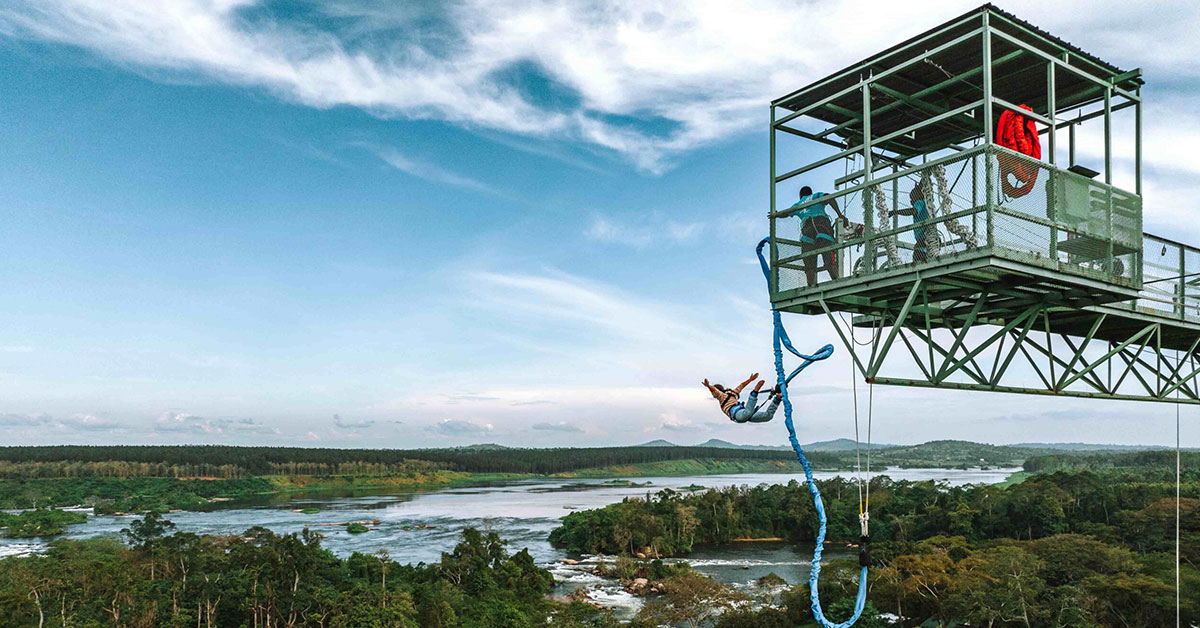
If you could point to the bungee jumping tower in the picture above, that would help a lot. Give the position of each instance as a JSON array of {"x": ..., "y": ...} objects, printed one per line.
[{"x": 1026, "y": 270}]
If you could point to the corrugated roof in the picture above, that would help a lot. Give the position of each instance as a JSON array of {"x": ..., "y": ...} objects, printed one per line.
[
  {"x": 946, "y": 82},
  {"x": 951, "y": 33}
]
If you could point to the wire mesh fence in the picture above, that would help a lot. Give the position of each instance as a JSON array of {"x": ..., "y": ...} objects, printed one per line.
[
  {"x": 986, "y": 200},
  {"x": 1170, "y": 280}
]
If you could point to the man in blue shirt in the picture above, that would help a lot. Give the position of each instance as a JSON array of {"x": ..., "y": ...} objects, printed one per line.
[
  {"x": 816, "y": 232},
  {"x": 920, "y": 213}
]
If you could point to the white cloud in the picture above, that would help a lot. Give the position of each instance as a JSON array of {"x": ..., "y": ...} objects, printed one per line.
[
  {"x": 672, "y": 422},
  {"x": 16, "y": 349},
  {"x": 652, "y": 228},
  {"x": 458, "y": 427},
  {"x": 190, "y": 423},
  {"x": 647, "y": 79},
  {"x": 90, "y": 422}
]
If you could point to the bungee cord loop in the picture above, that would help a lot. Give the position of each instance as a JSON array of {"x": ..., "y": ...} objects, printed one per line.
[{"x": 781, "y": 341}]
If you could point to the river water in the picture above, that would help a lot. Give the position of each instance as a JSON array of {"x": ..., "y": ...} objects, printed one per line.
[{"x": 523, "y": 513}]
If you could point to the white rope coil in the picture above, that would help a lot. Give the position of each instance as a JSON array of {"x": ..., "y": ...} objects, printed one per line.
[
  {"x": 881, "y": 210},
  {"x": 933, "y": 237},
  {"x": 953, "y": 226}
]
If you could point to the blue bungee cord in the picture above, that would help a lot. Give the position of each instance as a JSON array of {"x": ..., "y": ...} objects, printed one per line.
[{"x": 781, "y": 342}]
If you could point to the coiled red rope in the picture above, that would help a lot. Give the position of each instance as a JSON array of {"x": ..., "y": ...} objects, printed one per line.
[{"x": 1018, "y": 132}]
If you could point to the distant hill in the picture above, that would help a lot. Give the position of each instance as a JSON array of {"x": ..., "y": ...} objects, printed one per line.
[
  {"x": 1090, "y": 447},
  {"x": 724, "y": 444},
  {"x": 483, "y": 447},
  {"x": 838, "y": 445},
  {"x": 842, "y": 444},
  {"x": 955, "y": 453}
]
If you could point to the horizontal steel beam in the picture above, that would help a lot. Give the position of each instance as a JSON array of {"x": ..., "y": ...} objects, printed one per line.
[
  {"x": 1064, "y": 65},
  {"x": 896, "y": 381},
  {"x": 859, "y": 67},
  {"x": 874, "y": 77}
]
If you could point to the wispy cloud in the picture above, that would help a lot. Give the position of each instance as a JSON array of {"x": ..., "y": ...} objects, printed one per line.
[
  {"x": 428, "y": 171},
  {"x": 469, "y": 397},
  {"x": 78, "y": 422},
  {"x": 12, "y": 419},
  {"x": 561, "y": 426},
  {"x": 560, "y": 297},
  {"x": 351, "y": 425}
]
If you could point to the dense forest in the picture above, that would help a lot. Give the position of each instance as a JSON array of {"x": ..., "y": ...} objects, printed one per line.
[
  {"x": 161, "y": 478},
  {"x": 672, "y": 523},
  {"x": 263, "y": 579},
  {"x": 1061, "y": 549},
  {"x": 232, "y": 462},
  {"x": 1086, "y": 540},
  {"x": 133, "y": 494},
  {"x": 1156, "y": 466}
]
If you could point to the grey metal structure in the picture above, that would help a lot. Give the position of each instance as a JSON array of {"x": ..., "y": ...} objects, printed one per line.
[{"x": 1016, "y": 259}]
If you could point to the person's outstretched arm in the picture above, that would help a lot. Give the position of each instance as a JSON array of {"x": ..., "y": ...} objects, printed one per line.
[
  {"x": 836, "y": 209},
  {"x": 742, "y": 385},
  {"x": 712, "y": 389}
]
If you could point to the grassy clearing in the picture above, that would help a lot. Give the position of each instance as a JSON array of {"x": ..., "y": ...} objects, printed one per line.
[{"x": 1016, "y": 478}]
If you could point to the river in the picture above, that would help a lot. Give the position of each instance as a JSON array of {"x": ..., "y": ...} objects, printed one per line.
[{"x": 522, "y": 512}]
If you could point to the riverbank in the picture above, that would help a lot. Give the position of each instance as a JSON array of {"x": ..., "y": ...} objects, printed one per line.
[
  {"x": 678, "y": 468},
  {"x": 163, "y": 494}
]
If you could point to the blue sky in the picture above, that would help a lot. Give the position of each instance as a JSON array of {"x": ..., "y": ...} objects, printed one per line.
[{"x": 334, "y": 224}]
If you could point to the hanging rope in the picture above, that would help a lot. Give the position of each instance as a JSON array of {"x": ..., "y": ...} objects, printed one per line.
[
  {"x": 780, "y": 342},
  {"x": 865, "y": 515},
  {"x": 889, "y": 243},
  {"x": 864, "y": 487},
  {"x": 857, "y": 448},
  {"x": 1178, "y": 483},
  {"x": 945, "y": 207},
  {"x": 933, "y": 237}
]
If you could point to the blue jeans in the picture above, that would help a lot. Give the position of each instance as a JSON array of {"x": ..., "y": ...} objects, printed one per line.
[{"x": 744, "y": 412}]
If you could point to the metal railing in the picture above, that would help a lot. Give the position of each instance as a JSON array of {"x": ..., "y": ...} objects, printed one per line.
[
  {"x": 1170, "y": 280},
  {"x": 987, "y": 201}
]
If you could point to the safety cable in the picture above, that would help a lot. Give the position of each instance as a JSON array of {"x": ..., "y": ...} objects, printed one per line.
[
  {"x": 857, "y": 452},
  {"x": 866, "y": 516},
  {"x": 781, "y": 341},
  {"x": 1178, "y": 483}
]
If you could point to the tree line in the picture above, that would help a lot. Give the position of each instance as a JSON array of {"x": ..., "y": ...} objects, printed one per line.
[
  {"x": 1153, "y": 465},
  {"x": 232, "y": 462},
  {"x": 273, "y": 581},
  {"x": 987, "y": 555},
  {"x": 671, "y": 523}
]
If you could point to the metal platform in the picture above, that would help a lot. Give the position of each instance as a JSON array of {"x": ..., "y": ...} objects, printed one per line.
[{"x": 970, "y": 256}]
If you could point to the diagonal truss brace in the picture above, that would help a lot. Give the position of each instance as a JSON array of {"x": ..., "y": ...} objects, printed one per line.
[{"x": 961, "y": 332}]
